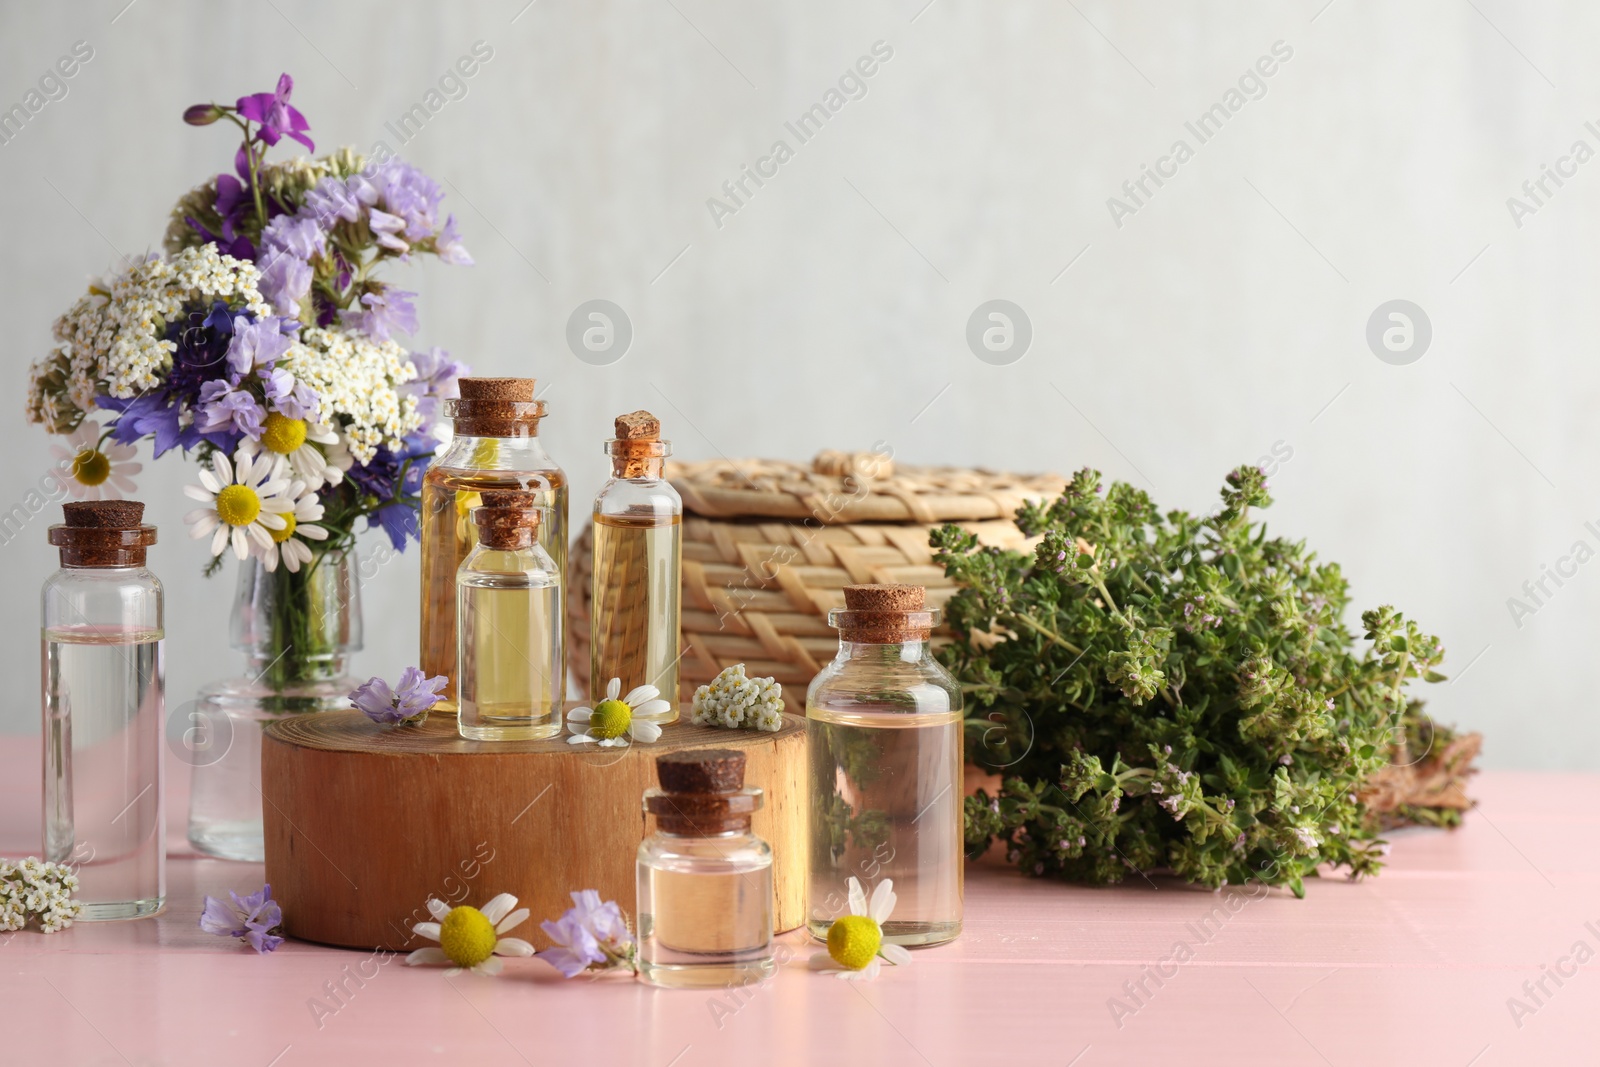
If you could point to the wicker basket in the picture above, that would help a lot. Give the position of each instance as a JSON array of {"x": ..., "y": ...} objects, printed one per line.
[{"x": 769, "y": 545}]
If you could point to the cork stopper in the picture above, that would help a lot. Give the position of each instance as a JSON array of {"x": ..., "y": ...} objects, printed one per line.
[
  {"x": 507, "y": 519},
  {"x": 884, "y": 614},
  {"x": 702, "y": 792},
  {"x": 512, "y": 390},
  {"x": 103, "y": 533},
  {"x": 495, "y": 407},
  {"x": 637, "y": 451}
]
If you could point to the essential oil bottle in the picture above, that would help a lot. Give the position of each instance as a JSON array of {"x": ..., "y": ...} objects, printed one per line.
[
  {"x": 496, "y": 447},
  {"x": 508, "y": 626},
  {"x": 104, "y": 711},
  {"x": 883, "y": 730},
  {"x": 638, "y": 544},
  {"x": 705, "y": 880}
]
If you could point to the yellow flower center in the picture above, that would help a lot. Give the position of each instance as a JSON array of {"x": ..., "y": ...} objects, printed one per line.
[
  {"x": 282, "y": 434},
  {"x": 287, "y": 532},
  {"x": 238, "y": 505},
  {"x": 91, "y": 467},
  {"x": 853, "y": 941},
  {"x": 610, "y": 719},
  {"x": 467, "y": 936}
]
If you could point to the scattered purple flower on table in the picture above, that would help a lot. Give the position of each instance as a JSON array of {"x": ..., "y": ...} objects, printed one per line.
[
  {"x": 407, "y": 703},
  {"x": 254, "y": 919},
  {"x": 277, "y": 118},
  {"x": 591, "y": 935}
]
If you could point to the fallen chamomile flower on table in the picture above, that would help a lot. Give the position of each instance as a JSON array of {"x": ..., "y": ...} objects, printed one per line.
[
  {"x": 470, "y": 939},
  {"x": 254, "y": 919},
  {"x": 591, "y": 936},
  {"x": 406, "y": 704},
  {"x": 612, "y": 722},
  {"x": 733, "y": 700},
  {"x": 36, "y": 889},
  {"x": 855, "y": 941}
]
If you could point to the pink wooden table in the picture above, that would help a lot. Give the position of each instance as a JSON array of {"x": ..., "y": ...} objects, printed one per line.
[{"x": 1414, "y": 967}]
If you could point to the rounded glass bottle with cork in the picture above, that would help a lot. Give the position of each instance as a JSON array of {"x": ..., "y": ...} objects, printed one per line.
[
  {"x": 508, "y": 626},
  {"x": 704, "y": 879},
  {"x": 104, "y": 711},
  {"x": 495, "y": 446},
  {"x": 884, "y": 732},
  {"x": 634, "y": 610}
]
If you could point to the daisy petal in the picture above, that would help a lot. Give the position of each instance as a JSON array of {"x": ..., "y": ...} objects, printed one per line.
[
  {"x": 205, "y": 496},
  {"x": 898, "y": 955},
  {"x": 210, "y": 481},
  {"x": 219, "y": 540},
  {"x": 438, "y": 908},
  {"x": 858, "y": 899},
  {"x": 579, "y": 739},
  {"x": 512, "y": 946},
  {"x": 821, "y": 961},
  {"x": 427, "y": 930},
  {"x": 643, "y": 731},
  {"x": 580, "y": 714},
  {"x": 652, "y": 707},
  {"x": 882, "y": 901},
  {"x": 241, "y": 543},
  {"x": 613, "y": 688},
  {"x": 512, "y": 921},
  {"x": 491, "y": 966},
  {"x": 638, "y": 696},
  {"x": 427, "y": 955},
  {"x": 498, "y": 908}
]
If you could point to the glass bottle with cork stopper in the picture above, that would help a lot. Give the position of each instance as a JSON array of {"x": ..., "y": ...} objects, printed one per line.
[
  {"x": 495, "y": 446},
  {"x": 884, "y": 731},
  {"x": 705, "y": 880},
  {"x": 104, "y": 704},
  {"x": 638, "y": 547},
  {"x": 508, "y": 626}
]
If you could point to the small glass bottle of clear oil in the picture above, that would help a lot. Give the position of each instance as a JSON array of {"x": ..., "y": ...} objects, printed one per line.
[
  {"x": 508, "y": 626},
  {"x": 495, "y": 446},
  {"x": 883, "y": 733},
  {"x": 705, "y": 880},
  {"x": 638, "y": 530}
]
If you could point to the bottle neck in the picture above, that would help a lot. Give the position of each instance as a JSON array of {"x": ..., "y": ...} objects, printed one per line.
[
  {"x": 646, "y": 469},
  {"x": 880, "y": 652}
]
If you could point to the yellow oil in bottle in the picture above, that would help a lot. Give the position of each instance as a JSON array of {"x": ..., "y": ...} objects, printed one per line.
[
  {"x": 448, "y": 534},
  {"x": 634, "y": 614}
]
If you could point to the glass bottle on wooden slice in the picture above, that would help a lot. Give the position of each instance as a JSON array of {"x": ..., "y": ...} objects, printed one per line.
[
  {"x": 638, "y": 546},
  {"x": 883, "y": 730},
  {"x": 104, "y": 711},
  {"x": 495, "y": 447},
  {"x": 704, "y": 880},
  {"x": 508, "y": 626}
]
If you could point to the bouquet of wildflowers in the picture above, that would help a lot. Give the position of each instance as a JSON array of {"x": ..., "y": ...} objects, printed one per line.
[{"x": 263, "y": 344}]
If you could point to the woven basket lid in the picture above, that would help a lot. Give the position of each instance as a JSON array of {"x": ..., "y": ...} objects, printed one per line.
[{"x": 851, "y": 487}]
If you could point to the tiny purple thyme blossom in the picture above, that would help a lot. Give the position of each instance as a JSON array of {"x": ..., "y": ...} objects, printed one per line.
[
  {"x": 407, "y": 703},
  {"x": 253, "y": 919},
  {"x": 591, "y": 935}
]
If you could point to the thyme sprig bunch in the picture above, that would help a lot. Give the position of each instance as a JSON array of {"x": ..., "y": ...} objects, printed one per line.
[{"x": 1173, "y": 691}]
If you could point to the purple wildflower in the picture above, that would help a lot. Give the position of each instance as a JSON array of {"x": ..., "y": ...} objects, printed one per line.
[
  {"x": 290, "y": 397},
  {"x": 252, "y": 919},
  {"x": 435, "y": 383},
  {"x": 387, "y": 310},
  {"x": 255, "y": 345},
  {"x": 225, "y": 409},
  {"x": 277, "y": 118},
  {"x": 408, "y": 703},
  {"x": 387, "y": 230},
  {"x": 331, "y": 199},
  {"x": 448, "y": 245},
  {"x": 591, "y": 933}
]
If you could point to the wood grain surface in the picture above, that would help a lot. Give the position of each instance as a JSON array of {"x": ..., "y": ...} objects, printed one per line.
[{"x": 364, "y": 823}]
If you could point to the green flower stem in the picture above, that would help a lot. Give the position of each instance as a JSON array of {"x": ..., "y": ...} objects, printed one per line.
[{"x": 1044, "y": 631}]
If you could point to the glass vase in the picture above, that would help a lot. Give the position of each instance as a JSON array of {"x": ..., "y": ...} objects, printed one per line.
[{"x": 297, "y": 631}]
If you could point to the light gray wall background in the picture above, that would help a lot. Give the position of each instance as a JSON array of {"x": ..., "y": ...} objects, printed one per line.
[{"x": 1225, "y": 317}]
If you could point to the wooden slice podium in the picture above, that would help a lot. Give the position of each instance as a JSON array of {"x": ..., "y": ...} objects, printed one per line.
[{"x": 365, "y": 822}]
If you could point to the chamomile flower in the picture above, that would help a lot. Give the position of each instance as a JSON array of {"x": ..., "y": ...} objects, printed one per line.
[
  {"x": 855, "y": 941},
  {"x": 299, "y": 526},
  {"x": 470, "y": 939},
  {"x": 612, "y": 722},
  {"x": 245, "y": 501},
  {"x": 296, "y": 441},
  {"x": 100, "y": 471}
]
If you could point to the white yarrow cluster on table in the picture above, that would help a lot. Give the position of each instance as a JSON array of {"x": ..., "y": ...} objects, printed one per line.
[
  {"x": 38, "y": 890},
  {"x": 733, "y": 701}
]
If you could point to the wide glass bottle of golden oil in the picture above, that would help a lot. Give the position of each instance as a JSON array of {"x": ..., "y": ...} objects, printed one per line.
[
  {"x": 638, "y": 539},
  {"x": 495, "y": 447}
]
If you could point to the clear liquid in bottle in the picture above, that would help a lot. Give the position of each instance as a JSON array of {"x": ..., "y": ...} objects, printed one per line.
[{"x": 104, "y": 810}]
